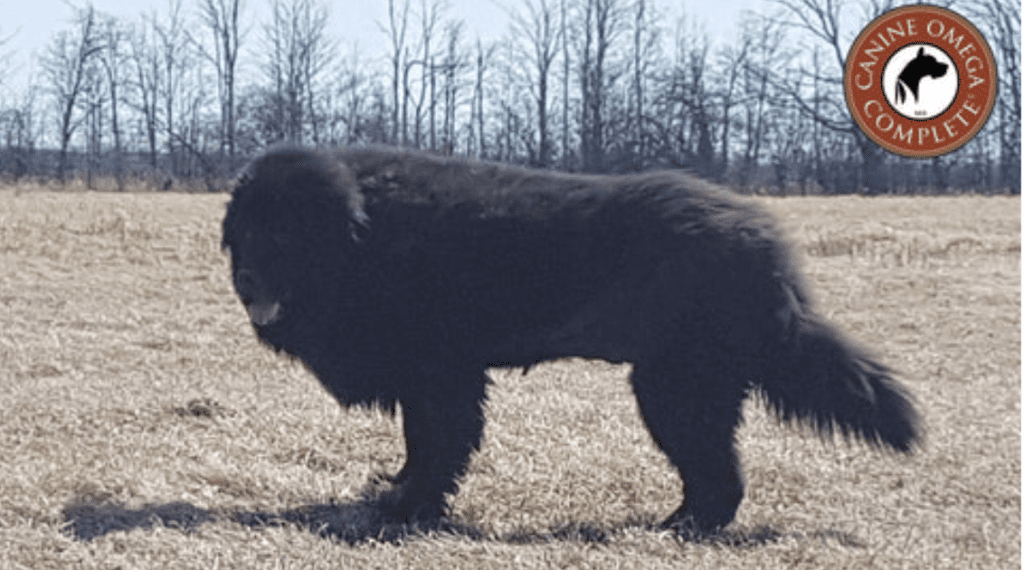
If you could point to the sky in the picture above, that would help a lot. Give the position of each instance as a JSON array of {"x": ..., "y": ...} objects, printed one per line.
[{"x": 30, "y": 24}]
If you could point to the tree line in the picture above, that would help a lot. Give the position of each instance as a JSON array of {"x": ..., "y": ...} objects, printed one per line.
[{"x": 184, "y": 95}]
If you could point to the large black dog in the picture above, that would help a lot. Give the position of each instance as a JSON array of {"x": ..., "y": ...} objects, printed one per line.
[{"x": 398, "y": 278}]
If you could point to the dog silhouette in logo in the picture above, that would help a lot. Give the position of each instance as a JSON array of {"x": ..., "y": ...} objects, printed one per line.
[{"x": 910, "y": 78}]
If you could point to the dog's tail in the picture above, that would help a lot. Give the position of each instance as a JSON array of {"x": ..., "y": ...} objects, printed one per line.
[{"x": 823, "y": 380}]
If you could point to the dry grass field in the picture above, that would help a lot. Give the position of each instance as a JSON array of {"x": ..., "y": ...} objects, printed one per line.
[{"x": 142, "y": 426}]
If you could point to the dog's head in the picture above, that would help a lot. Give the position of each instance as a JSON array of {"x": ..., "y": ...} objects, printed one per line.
[
  {"x": 294, "y": 220},
  {"x": 925, "y": 65}
]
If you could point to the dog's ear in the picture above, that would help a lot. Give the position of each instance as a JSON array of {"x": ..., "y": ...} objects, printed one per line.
[{"x": 920, "y": 52}]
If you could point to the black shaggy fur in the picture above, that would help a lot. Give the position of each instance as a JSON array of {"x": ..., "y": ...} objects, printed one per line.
[{"x": 398, "y": 278}]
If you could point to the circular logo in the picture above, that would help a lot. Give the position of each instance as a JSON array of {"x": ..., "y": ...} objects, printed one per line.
[{"x": 920, "y": 81}]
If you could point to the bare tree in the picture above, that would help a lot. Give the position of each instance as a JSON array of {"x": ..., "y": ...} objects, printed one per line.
[
  {"x": 398, "y": 19},
  {"x": 320, "y": 51},
  {"x": 586, "y": 86},
  {"x": 298, "y": 51},
  {"x": 222, "y": 19},
  {"x": 638, "y": 82},
  {"x": 5, "y": 56},
  {"x": 540, "y": 36},
  {"x": 145, "y": 64},
  {"x": 762, "y": 63},
  {"x": 170, "y": 33},
  {"x": 697, "y": 97},
  {"x": 647, "y": 34},
  {"x": 732, "y": 61},
  {"x": 563, "y": 30},
  {"x": 346, "y": 101},
  {"x": 579, "y": 86},
  {"x": 452, "y": 64},
  {"x": 18, "y": 119},
  {"x": 283, "y": 118},
  {"x": 112, "y": 57},
  {"x": 821, "y": 20},
  {"x": 1001, "y": 19},
  {"x": 602, "y": 21},
  {"x": 506, "y": 136},
  {"x": 430, "y": 17},
  {"x": 356, "y": 104},
  {"x": 191, "y": 133},
  {"x": 94, "y": 96},
  {"x": 478, "y": 139},
  {"x": 66, "y": 64}
]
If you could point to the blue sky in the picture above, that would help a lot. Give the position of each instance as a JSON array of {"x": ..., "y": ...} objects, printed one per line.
[{"x": 33, "y": 22}]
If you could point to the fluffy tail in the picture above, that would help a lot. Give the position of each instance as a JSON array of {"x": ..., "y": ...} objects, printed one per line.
[{"x": 824, "y": 381}]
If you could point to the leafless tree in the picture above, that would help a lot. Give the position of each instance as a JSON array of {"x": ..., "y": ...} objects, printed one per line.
[
  {"x": 581, "y": 85},
  {"x": 586, "y": 78},
  {"x": 194, "y": 132},
  {"x": 765, "y": 37},
  {"x": 65, "y": 65},
  {"x": 350, "y": 99},
  {"x": 95, "y": 96},
  {"x": 538, "y": 36},
  {"x": 398, "y": 20},
  {"x": 732, "y": 61},
  {"x": 452, "y": 64},
  {"x": 697, "y": 97},
  {"x": 821, "y": 20},
  {"x": 146, "y": 76},
  {"x": 5, "y": 56},
  {"x": 646, "y": 62},
  {"x": 507, "y": 119},
  {"x": 170, "y": 33},
  {"x": 113, "y": 59},
  {"x": 639, "y": 27},
  {"x": 18, "y": 119},
  {"x": 321, "y": 51},
  {"x": 1001, "y": 21},
  {"x": 298, "y": 51},
  {"x": 430, "y": 16},
  {"x": 222, "y": 18},
  {"x": 478, "y": 140},
  {"x": 563, "y": 30},
  {"x": 602, "y": 22}
]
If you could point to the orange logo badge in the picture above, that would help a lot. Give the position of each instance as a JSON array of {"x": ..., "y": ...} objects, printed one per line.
[{"x": 920, "y": 80}]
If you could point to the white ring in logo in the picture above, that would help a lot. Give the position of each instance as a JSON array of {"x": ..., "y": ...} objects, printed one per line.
[{"x": 920, "y": 81}]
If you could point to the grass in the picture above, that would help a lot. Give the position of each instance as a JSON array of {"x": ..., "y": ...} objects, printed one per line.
[{"x": 142, "y": 426}]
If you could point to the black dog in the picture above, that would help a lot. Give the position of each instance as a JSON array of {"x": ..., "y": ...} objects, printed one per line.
[
  {"x": 398, "y": 278},
  {"x": 921, "y": 66}
]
